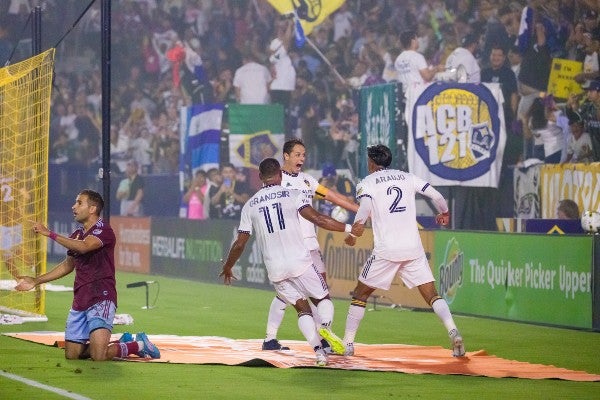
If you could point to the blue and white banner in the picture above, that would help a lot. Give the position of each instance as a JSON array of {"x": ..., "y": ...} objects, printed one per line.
[
  {"x": 201, "y": 136},
  {"x": 200, "y": 141},
  {"x": 456, "y": 133}
]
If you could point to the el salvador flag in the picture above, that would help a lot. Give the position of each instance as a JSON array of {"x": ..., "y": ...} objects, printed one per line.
[{"x": 204, "y": 136}]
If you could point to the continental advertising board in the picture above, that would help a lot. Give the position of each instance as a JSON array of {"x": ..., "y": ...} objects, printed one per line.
[{"x": 530, "y": 278}]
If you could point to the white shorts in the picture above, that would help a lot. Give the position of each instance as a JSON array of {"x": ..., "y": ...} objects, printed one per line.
[
  {"x": 10, "y": 236},
  {"x": 309, "y": 284},
  {"x": 317, "y": 259},
  {"x": 378, "y": 273}
]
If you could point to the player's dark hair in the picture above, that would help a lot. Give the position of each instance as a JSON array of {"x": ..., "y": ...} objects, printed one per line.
[
  {"x": 268, "y": 168},
  {"x": 381, "y": 155},
  {"x": 289, "y": 145},
  {"x": 94, "y": 199},
  {"x": 406, "y": 38}
]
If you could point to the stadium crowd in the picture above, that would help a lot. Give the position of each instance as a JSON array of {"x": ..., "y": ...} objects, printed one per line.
[{"x": 171, "y": 53}]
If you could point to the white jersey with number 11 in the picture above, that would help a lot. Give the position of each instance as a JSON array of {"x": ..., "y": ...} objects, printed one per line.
[{"x": 272, "y": 214}]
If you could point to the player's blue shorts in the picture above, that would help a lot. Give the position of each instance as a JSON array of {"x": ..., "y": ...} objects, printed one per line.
[{"x": 81, "y": 323}]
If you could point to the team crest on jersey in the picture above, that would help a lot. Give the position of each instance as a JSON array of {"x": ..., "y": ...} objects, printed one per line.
[
  {"x": 455, "y": 129},
  {"x": 307, "y": 183}
]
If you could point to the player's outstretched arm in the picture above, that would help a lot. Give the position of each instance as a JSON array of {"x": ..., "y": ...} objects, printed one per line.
[
  {"x": 236, "y": 250},
  {"x": 337, "y": 199},
  {"x": 329, "y": 223},
  {"x": 26, "y": 283}
]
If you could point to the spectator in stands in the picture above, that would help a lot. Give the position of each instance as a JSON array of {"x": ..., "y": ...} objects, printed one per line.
[
  {"x": 215, "y": 180},
  {"x": 131, "y": 191},
  {"x": 308, "y": 117},
  {"x": 282, "y": 71},
  {"x": 567, "y": 209},
  {"x": 589, "y": 110},
  {"x": 514, "y": 59},
  {"x": 535, "y": 67},
  {"x": 411, "y": 65},
  {"x": 500, "y": 72},
  {"x": 196, "y": 196},
  {"x": 251, "y": 81},
  {"x": 465, "y": 56},
  {"x": 590, "y": 23},
  {"x": 223, "y": 90},
  {"x": 591, "y": 61},
  {"x": 231, "y": 194},
  {"x": 546, "y": 123},
  {"x": 579, "y": 147},
  {"x": 575, "y": 45}
]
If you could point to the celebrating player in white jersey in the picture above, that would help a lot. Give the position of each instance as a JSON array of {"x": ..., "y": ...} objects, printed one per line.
[
  {"x": 273, "y": 214},
  {"x": 294, "y": 154},
  {"x": 388, "y": 197}
]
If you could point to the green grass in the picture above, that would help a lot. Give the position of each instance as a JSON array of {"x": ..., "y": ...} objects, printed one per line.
[{"x": 200, "y": 309}]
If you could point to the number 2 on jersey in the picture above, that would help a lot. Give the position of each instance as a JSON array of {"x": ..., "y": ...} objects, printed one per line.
[{"x": 396, "y": 192}]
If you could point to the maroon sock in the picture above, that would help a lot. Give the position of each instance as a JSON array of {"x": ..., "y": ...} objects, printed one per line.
[{"x": 129, "y": 348}]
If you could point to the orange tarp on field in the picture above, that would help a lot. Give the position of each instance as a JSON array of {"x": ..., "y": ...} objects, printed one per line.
[{"x": 368, "y": 357}]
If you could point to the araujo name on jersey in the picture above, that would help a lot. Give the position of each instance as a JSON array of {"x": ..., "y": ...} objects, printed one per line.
[
  {"x": 387, "y": 178},
  {"x": 270, "y": 196},
  {"x": 455, "y": 129}
]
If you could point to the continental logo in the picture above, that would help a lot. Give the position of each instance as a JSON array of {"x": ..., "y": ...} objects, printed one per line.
[
  {"x": 343, "y": 262},
  {"x": 451, "y": 271},
  {"x": 456, "y": 129}
]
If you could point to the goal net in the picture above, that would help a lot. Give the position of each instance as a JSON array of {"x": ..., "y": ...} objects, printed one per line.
[{"x": 25, "y": 90}]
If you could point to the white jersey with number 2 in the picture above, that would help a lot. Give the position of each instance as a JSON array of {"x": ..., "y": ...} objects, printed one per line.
[
  {"x": 273, "y": 215},
  {"x": 389, "y": 196}
]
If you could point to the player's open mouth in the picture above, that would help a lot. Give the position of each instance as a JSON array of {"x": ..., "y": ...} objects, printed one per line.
[{"x": 299, "y": 166}]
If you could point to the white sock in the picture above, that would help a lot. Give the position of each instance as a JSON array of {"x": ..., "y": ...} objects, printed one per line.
[
  {"x": 355, "y": 316},
  {"x": 276, "y": 313},
  {"x": 325, "y": 311},
  {"x": 307, "y": 327},
  {"x": 315, "y": 313},
  {"x": 440, "y": 307}
]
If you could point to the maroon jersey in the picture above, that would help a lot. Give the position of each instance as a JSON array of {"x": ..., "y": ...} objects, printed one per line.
[{"x": 95, "y": 270}]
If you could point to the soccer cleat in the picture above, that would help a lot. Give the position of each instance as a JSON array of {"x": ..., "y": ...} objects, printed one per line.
[
  {"x": 149, "y": 350},
  {"x": 458, "y": 347},
  {"x": 326, "y": 346},
  {"x": 337, "y": 346},
  {"x": 349, "y": 349},
  {"x": 126, "y": 338},
  {"x": 321, "y": 358},
  {"x": 273, "y": 344}
]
